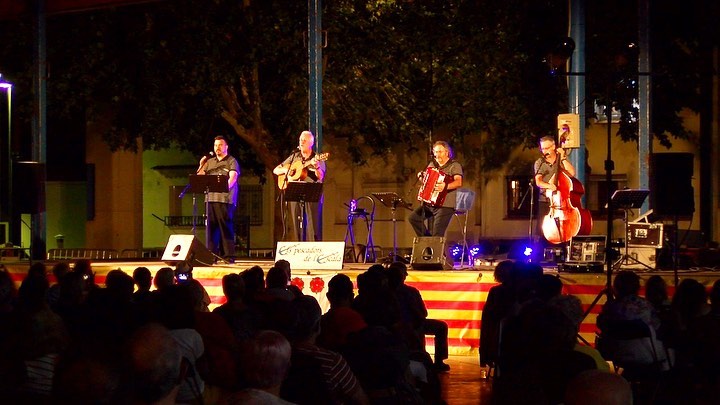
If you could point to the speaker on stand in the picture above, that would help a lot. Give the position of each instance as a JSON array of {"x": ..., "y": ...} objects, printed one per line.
[
  {"x": 187, "y": 248},
  {"x": 428, "y": 253},
  {"x": 672, "y": 193}
]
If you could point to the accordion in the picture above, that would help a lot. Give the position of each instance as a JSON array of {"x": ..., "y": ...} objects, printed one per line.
[{"x": 427, "y": 193}]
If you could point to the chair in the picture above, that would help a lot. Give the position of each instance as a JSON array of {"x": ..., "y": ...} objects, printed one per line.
[
  {"x": 463, "y": 204},
  {"x": 631, "y": 346}
]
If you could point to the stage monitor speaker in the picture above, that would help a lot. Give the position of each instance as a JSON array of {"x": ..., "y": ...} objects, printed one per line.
[
  {"x": 188, "y": 248},
  {"x": 428, "y": 253},
  {"x": 671, "y": 191}
]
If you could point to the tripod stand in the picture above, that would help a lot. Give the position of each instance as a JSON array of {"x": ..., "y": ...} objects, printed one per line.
[
  {"x": 392, "y": 201},
  {"x": 627, "y": 200}
]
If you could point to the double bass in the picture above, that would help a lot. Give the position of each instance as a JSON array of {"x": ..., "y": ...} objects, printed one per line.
[{"x": 566, "y": 218}]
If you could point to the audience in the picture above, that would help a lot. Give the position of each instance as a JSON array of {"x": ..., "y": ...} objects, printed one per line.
[{"x": 268, "y": 344}]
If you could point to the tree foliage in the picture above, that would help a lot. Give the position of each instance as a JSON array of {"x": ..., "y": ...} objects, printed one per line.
[{"x": 396, "y": 73}]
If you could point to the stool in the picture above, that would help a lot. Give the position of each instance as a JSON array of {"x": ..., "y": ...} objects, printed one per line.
[
  {"x": 355, "y": 212},
  {"x": 463, "y": 204}
]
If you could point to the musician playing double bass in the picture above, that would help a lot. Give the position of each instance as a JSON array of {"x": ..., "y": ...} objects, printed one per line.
[
  {"x": 545, "y": 167},
  {"x": 440, "y": 214}
]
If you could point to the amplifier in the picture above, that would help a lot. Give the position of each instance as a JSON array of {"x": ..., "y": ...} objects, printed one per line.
[
  {"x": 585, "y": 249},
  {"x": 581, "y": 267},
  {"x": 645, "y": 235}
]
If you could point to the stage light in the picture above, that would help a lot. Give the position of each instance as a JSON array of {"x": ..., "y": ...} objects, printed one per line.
[
  {"x": 525, "y": 250},
  {"x": 456, "y": 252},
  {"x": 528, "y": 251},
  {"x": 474, "y": 251}
]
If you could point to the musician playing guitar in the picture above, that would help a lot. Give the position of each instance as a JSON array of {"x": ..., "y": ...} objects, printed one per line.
[
  {"x": 313, "y": 171},
  {"x": 545, "y": 167},
  {"x": 439, "y": 213}
]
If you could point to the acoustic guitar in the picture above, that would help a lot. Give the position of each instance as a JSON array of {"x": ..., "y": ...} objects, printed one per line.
[{"x": 297, "y": 170}]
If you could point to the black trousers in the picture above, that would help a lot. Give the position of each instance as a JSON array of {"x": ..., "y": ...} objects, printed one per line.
[{"x": 221, "y": 229}]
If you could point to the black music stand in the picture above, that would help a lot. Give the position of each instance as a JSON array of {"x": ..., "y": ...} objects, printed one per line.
[
  {"x": 392, "y": 201},
  {"x": 629, "y": 199},
  {"x": 303, "y": 192},
  {"x": 204, "y": 184}
]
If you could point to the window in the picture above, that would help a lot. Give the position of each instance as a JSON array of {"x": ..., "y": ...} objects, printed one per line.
[
  {"x": 250, "y": 203},
  {"x": 517, "y": 195},
  {"x": 597, "y": 192}
]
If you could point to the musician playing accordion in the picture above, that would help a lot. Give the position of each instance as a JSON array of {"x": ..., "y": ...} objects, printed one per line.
[{"x": 441, "y": 178}]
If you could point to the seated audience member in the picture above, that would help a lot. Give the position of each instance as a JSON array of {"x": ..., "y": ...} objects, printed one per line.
[
  {"x": 243, "y": 322},
  {"x": 704, "y": 334},
  {"x": 254, "y": 279},
  {"x": 143, "y": 280},
  {"x": 571, "y": 307},
  {"x": 414, "y": 313},
  {"x": 164, "y": 278},
  {"x": 541, "y": 361},
  {"x": 89, "y": 376},
  {"x": 184, "y": 275},
  {"x": 276, "y": 283},
  {"x": 340, "y": 320},
  {"x": 595, "y": 387},
  {"x": 656, "y": 293},
  {"x": 155, "y": 365},
  {"x": 59, "y": 270},
  {"x": 265, "y": 361},
  {"x": 628, "y": 305},
  {"x": 501, "y": 303},
  {"x": 316, "y": 375}
]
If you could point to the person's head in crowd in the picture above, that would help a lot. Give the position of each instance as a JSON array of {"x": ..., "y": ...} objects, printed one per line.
[
  {"x": 265, "y": 360},
  {"x": 120, "y": 285},
  {"x": 595, "y": 387},
  {"x": 276, "y": 278},
  {"x": 690, "y": 299},
  {"x": 32, "y": 292},
  {"x": 548, "y": 286},
  {"x": 74, "y": 289},
  {"x": 502, "y": 271},
  {"x": 307, "y": 313},
  {"x": 254, "y": 279},
  {"x": 233, "y": 287},
  {"x": 656, "y": 291},
  {"x": 396, "y": 274},
  {"x": 340, "y": 290},
  {"x": 37, "y": 269},
  {"x": 86, "y": 376},
  {"x": 84, "y": 267},
  {"x": 155, "y": 365},
  {"x": 570, "y": 306},
  {"x": 142, "y": 278},
  {"x": 626, "y": 283},
  {"x": 60, "y": 269},
  {"x": 164, "y": 278},
  {"x": 373, "y": 281},
  {"x": 285, "y": 265},
  {"x": 183, "y": 272}
]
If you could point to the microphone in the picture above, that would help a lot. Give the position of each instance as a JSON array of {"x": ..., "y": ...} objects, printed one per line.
[{"x": 209, "y": 155}]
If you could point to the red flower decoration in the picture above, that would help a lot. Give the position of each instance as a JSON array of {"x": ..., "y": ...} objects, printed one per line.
[
  {"x": 297, "y": 282},
  {"x": 317, "y": 284}
]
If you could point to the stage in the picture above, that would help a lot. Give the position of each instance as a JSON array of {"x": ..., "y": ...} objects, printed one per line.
[{"x": 455, "y": 296}]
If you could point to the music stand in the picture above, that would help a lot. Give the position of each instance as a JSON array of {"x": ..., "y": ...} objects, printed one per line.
[
  {"x": 303, "y": 192},
  {"x": 204, "y": 184},
  {"x": 392, "y": 201},
  {"x": 629, "y": 199}
]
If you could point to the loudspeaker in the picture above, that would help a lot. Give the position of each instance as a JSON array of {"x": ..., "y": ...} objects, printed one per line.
[
  {"x": 428, "y": 253},
  {"x": 188, "y": 248},
  {"x": 671, "y": 191}
]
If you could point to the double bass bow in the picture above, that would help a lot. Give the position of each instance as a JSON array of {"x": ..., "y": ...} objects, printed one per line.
[{"x": 566, "y": 218}]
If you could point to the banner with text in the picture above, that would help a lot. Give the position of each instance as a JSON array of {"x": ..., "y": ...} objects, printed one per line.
[{"x": 312, "y": 255}]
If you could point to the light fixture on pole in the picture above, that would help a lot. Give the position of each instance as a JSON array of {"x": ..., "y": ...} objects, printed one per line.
[{"x": 7, "y": 86}]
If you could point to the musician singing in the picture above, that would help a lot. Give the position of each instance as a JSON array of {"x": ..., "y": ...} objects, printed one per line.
[
  {"x": 545, "y": 167},
  {"x": 312, "y": 171},
  {"x": 440, "y": 214}
]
